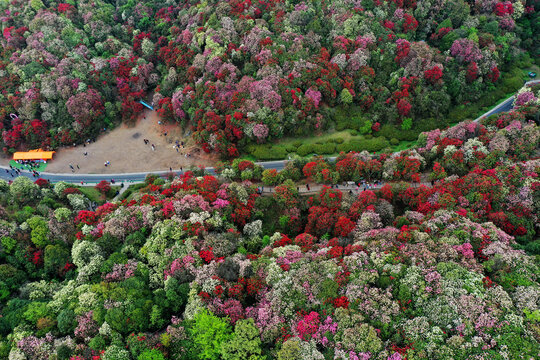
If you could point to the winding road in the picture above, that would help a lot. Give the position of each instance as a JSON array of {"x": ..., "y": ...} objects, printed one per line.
[{"x": 7, "y": 174}]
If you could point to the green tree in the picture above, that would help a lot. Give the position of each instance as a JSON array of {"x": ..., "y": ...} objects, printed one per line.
[
  {"x": 56, "y": 257},
  {"x": 209, "y": 332},
  {"x": 290, "y": 350},
  {"x": 24, "y": 191},
  {"x": 406, "y": 124},
  {"x": 346, "y": 97},
  {"x": 152, "y": 354},
  {"x": 36, "y": 4},
  {"x": 66, "y": 321},
  {"x": 40, "y": 230},
  {"x": 245, "y": 343}
]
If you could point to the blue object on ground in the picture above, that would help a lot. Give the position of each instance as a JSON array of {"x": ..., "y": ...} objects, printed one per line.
[{"x": 145, "y": 104}]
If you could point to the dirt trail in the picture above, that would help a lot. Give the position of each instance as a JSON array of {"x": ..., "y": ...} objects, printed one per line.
[{"x": 126, "y": 151}]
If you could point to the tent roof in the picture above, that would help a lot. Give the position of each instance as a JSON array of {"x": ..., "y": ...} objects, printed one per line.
[{"x": 37, "y": 154}]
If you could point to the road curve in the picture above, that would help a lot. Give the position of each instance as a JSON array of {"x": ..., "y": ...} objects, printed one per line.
[{"x": 7, "y": 174}]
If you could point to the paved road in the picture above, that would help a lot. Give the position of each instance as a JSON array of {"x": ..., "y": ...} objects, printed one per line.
[
  {"x": 506, "y": 105},
  {"x": 138, "y": 177},
  {"x": 126, "y": 177}
]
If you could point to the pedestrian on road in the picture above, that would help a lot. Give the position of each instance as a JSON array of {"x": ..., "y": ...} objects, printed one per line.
[
  {"x": 78, "y": 168},
  {"x": 170, "y": 168},
  {"x": 153, "y": 147},
  {"x": 85, "y": 153},
  {"x": 71, "y": 166}
]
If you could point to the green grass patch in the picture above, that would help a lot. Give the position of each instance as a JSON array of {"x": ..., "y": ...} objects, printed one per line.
[
  {"x": 94, "y": 195},
  {"x": 91, "y": 193},
  {"x": 126, "y": 195},
  {"x": 404, "y": 145},
  {"x": 42, "y": 166}
]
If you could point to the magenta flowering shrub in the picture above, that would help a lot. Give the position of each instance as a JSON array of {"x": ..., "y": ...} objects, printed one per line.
[
  {"x": 260, "y": 131},
  {"x": 87, "y": 326}
]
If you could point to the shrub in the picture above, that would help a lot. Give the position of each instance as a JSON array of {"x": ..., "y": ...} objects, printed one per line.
[
  {"x": 267, "y": 152},
  {"x": 208, "y": 333},
  {"x": 305, "y": 149},
  {"x": 279, "y": 152},
  {"x": 394, "y": 141},
  {"x": 327, "y": 148},
  {"x": 151, "y": 354},
  {"x": 290, "y": 148},
  {"x": 245, "y": 343}
]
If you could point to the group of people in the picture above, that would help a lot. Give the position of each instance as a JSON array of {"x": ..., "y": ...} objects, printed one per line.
[
  {"x": 178, "y": 145},
  {"x": 14, "y": 172},
  {"x": 359, "y": 185},
  {"x": 146, "y": 142}
]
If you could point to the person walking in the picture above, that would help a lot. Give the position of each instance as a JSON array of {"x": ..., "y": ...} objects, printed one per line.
[
  {"x": 153, "y": 147},
  {"x": 78, "y": 168},
  {"x": 71, "y": 166}
]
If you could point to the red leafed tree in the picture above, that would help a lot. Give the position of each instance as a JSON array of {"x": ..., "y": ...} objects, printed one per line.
[
  {"x": 494, "y": 74},
  {"x": 305, "y": 241},
  {"x": 365, "y": 199},
  {"x": 344, "y": 226},
  {"x": 472, "y": 72},
  {"x": 346, "y": 167},
  {"x": 103, "y": 187},
  {"x": 433, "y": 75},
  {"x": 320, "y": 221},
  {"x": 404, "y": 107},
  {"x": 330, "y": 198},
  {"x": 410, "y": 23}
]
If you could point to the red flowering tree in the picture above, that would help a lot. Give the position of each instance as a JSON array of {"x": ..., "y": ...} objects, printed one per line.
[
  {"x": 433, "y": 75},
  {"x": 344, "y": 226},
  {"x": 103, "y": 187}
]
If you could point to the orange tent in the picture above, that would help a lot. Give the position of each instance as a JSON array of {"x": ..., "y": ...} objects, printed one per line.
[{"x": 37, "y": 154}]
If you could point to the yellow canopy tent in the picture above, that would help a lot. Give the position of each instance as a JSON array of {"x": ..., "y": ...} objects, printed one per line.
[{"x": 37, "y": 154}]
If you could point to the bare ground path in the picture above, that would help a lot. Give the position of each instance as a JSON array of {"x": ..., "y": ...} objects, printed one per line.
[{"x": 126, "y": 151}]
